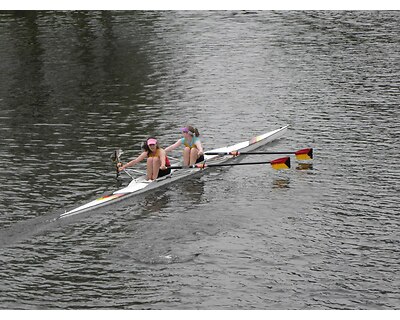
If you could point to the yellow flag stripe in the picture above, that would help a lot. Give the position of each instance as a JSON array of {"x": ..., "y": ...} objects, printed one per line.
[
  {"x": 303, "y": 156},
  {"x": 279, "y": 166}
]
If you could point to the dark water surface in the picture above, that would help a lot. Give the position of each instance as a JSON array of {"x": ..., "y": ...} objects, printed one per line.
[{"x": 76, "y": 85}]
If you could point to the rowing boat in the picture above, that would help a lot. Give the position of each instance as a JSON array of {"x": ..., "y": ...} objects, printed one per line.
[{"x": 141, "y": 185}]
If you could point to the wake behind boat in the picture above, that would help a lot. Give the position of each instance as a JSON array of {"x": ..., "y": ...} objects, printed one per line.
[{"x": 213, "y": 158}]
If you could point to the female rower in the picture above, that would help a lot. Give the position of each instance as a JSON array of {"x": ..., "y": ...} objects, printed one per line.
[
  {"x": 193, "y": 152},
  {"x": 157, "y": 160}
]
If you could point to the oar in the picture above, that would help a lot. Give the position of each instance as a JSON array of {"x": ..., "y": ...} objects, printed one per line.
[
  {"x": 303, "y": 154},
  {"x": 115, "y": 157},
  {"x": 278, "y": 164}
]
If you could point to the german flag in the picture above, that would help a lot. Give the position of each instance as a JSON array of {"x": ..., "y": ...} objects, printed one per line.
[
  {"x": 281, "y": 163},
  {"x": 304, "y": 154},
  {"x": 109, "y": 197}
]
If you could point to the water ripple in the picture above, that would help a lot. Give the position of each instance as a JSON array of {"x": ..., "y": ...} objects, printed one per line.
[{"x": 76, "y": 85}]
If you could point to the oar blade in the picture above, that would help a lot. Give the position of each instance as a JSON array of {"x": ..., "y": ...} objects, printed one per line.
[
  {"x": 281, "y": 163},
  {"x": 304, "y": 154},
  {"x": 116, "y": 155},
  {"x": 115, "y": 158}
]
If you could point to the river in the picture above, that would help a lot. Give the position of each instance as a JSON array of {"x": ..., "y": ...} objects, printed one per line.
[{"x": 76, "y": 85}]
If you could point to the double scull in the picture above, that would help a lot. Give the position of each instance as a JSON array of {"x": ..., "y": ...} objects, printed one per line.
[{"x": 212, "y": 157}]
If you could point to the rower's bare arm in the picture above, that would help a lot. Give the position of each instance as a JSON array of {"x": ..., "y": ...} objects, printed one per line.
[
  {"x": 173, "y": 146},
  {"x": 200, "y": 147},
  {"x": 134, "y": 161},
  {"x": 163, "y": 154}
]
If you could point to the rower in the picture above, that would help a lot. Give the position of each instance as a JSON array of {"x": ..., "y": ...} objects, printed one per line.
[
  {"x": 193, "y": 152},
  {"x": 157, "y": 160}
]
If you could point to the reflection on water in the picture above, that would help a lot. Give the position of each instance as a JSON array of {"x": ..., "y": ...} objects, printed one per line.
[
  {"x": 304, "y": 166},
  {"x": 281, "y": 183}
]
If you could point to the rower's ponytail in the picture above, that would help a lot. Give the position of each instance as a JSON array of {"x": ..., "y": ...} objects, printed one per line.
[
  {"x": 145, "y": 147},
  {"x": 194, "y": 131}
]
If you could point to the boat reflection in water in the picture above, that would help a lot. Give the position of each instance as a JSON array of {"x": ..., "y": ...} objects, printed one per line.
[
  {"x": 183, "y": 194},
  {"x": 304, "y": 166},
  {"x": 281, "y": 183}
]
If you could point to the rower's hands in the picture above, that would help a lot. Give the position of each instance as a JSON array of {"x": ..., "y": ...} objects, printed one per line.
[
  {"x": 120, "y": 167},
  {"x": 163, "y": 168}
]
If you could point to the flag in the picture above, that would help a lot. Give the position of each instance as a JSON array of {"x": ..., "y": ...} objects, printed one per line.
[{"x": 281, "y": 163}]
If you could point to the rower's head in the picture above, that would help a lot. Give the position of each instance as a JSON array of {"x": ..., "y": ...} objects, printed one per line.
[
  {"x": 190, "y": 131},
  {"x": 151, "y": 145}
]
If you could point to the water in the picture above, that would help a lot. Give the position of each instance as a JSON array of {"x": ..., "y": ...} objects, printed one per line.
[{"x": 76, "y": 85}]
